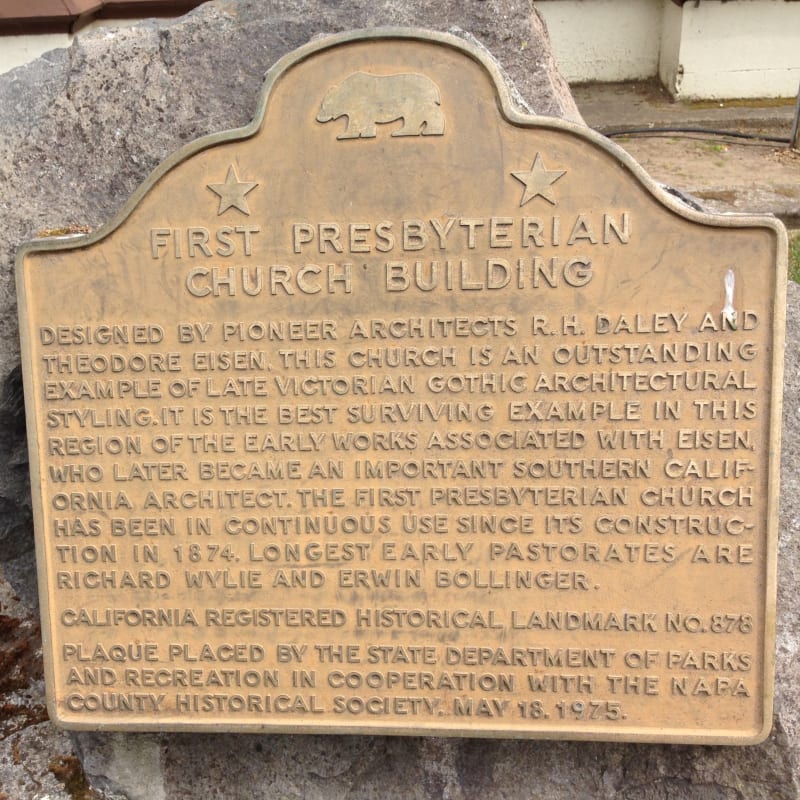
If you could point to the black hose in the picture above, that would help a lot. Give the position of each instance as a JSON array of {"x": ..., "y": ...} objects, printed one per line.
[{"x": 688, "y": 129}]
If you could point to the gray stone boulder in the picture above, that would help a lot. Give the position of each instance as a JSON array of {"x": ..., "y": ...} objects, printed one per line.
[
  {"x": 79, "y": 131},
  {"x": 81, "y": 128}
]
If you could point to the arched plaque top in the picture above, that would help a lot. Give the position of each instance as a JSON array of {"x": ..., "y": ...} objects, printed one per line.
[{"x": 492, "y": 91}]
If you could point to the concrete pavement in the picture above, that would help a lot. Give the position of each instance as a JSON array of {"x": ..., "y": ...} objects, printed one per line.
[{"x": 726, "y": 174}]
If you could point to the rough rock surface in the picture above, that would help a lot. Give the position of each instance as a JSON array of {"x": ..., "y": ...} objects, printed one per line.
[
  {"x": 79, "y": 131},
  {"x": 81, "y": 128}
]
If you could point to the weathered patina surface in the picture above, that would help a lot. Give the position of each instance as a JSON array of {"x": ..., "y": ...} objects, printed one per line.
[
  {"x": 436, "y": 418},
  {"x": 109, "y": 139}
]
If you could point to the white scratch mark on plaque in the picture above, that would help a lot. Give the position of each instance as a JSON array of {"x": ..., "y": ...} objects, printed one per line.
[{"x": 728, "y": 311}]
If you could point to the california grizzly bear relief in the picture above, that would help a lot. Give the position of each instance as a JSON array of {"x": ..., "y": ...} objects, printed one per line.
[{"x": 368, "y": 100}]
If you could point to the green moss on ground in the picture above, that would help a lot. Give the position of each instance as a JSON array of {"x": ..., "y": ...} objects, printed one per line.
[{"x": 794, "y": 256}]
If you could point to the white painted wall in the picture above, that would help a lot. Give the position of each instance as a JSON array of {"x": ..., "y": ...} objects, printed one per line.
[
  {"x": 604, "y": 40},
  {"x": 711, "y": 49},
  {"x": 670, "y": 54},
  {"x": 746, "y": 48}
]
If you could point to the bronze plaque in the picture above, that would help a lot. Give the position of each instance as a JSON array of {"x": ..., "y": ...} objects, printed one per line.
[{"x": 399, "y": 411}]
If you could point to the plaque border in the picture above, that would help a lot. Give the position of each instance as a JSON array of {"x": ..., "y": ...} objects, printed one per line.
[{"x": 510, "y": 111}]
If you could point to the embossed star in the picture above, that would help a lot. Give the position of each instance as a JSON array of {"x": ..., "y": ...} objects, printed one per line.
[
  {"x": 538, "y": 181},
  {"x": 232, "y": 192}
]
